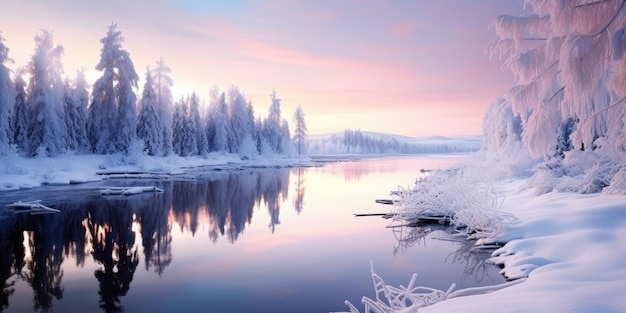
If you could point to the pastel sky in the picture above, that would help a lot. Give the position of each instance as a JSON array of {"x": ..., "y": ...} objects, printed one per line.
[{"x": 410, "y": 67}]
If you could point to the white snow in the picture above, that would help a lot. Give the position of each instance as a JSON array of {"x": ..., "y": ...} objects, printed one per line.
[
  {"x": 129, "y": 191},
  {"x": 571, "y": 247},
  {"x": 22, "y": 172}
]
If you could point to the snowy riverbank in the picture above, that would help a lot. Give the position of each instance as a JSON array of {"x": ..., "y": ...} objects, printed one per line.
[
  {"x": 568, "y": 248},
  {"x": 20, "y": 172},
  {"x": 571, "y": 247}
]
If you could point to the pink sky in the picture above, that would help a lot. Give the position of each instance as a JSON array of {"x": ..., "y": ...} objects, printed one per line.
[{"x": 410, "y": 67}]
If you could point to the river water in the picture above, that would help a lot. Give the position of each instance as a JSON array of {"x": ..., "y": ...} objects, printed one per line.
[{"x": 252, "y": 240}]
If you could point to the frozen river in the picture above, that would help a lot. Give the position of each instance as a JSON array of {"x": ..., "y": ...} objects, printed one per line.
[{"x": 253, "y": 240}]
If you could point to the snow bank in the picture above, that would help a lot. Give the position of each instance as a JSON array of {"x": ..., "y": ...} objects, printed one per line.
[
  {"x": 569, "y": 245},
  {"x": 20, "y": 172}
]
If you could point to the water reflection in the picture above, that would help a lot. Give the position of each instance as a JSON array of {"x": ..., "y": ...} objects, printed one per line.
[
  {"x": 473, "y": 259},
  {"x": 107, "y": 227},
  {"x": 300, "y": 186},
  {"x": 194, "y": 247}
]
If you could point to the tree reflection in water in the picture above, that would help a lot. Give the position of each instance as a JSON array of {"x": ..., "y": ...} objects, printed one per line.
[
  {"x": 113, "y": 246},
  {"x": 45, "y": 273},
  {"x": 156, "y": 231},
  {"x": 105, "y": 227},
  {"x": 228, "y": 200},
  {"x": 476, "y": 267},
  {"x": 300, "y": 185},
  {"x": 7, "y": 275}
]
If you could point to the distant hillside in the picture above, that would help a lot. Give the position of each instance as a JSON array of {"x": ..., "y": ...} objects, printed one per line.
[{"x": 363, "y": 142}]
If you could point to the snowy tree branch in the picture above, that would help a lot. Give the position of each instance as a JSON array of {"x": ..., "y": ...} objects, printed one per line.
[{"x": 610, "y": 21}]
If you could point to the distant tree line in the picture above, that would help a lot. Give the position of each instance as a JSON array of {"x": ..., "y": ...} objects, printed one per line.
[
  {"x": 49, "y": 114},
  {"x": 357, "y": 142}
]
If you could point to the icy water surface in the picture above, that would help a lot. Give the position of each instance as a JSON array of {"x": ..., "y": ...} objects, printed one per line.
[{"x": 256, "y": 240}]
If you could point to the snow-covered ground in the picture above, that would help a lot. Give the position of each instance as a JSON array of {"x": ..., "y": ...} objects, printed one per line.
[
  {"x": 570, "y": 245},
  {"x": 21, "y": 172}
]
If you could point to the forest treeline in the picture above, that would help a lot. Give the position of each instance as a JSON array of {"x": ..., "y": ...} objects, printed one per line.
[
  {"x": 358, "y": 142},
  {"x": 47, "y": 114}
]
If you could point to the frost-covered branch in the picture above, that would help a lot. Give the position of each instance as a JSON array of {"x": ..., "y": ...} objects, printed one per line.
[
  {"x": 611, "y": 20},
  {"x": 458, "y": 196},
  {"x": 410, "y": 298}
]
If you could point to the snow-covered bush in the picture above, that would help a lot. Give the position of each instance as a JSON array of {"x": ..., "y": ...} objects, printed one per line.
[
  {"x": 460, "y": 196},
  {"x": 581, "y": 171}
]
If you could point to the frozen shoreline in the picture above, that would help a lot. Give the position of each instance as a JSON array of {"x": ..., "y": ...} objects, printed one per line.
[
  {"x": 568, "y": 248},
  {"x": 23, "y": 173},
  {"x": 569, "y": 245}
]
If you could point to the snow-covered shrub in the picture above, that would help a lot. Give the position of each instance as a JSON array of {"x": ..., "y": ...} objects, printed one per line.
[
  {"x": 617, "y": 185},
  {"x": 458, "y": 195},
  {"x": 580, "y": 171}
]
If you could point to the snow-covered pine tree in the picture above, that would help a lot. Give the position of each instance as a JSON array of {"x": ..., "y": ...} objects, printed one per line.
[
  {"x": 249, "y": 146},
  {"x": 241, "y": 124},
  {"x": 300, "y": 132},
  {"x": 178, "y": 126},
  {"x": 150, "y": 128},
  {"x": 188, "y": 138},
  {"x": 569, "y": 62},
  {"x": 76, "y": 99},
  {"x": 47, "y": 129},
  {"x": 261, "y": 142},
  {"x": 209, "y": 121},
  {"x": 285, "y": 136},
  {"x": 221, "y": 124},
  {"x": 7, "y": 101},
  {"x": 254, "y": 130},
  {"x": 113, "y": 112},
  {"x": 195, "y": 124},
  {"x": 20, "y": 117},
  {"x": 272, "y": 125},
  {"x": 163, "y": 85}
]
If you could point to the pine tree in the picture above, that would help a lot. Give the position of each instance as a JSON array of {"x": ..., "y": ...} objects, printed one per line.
[
  {"x": 76, "y": 98},
  {"x": 112, "y": 115},
  {"x": 163, "y": 84},
  {"x": 241, "y": 122},
  {"x": 300, "y": 132},
  {"x": 188, "y": 138},
  {"x": 272, "y": 125},
  {"x": 178, "y": 127},
  {"x": 285, "y": 137},
  {"x": 47, "y": 129},
  {"x": 209, "y": 126},
  {"x": 151, "y": 127},
  {"x": 7, "y": 101},
  {"x": 20, "y": 119},
  {"x": 195, "y": 125},
  {"x": 221, "y": 124}
]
